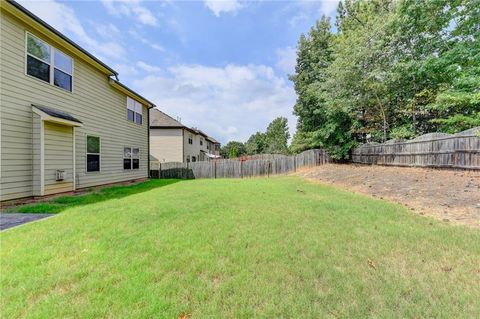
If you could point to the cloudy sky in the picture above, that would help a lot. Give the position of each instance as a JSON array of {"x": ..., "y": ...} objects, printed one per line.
[{"x": 221, "y": 66}]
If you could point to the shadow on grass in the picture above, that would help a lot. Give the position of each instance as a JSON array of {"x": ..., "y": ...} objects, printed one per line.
[{"x": 59, "y": 204}]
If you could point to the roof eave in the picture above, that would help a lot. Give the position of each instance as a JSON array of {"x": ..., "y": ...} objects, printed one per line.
[{"x": 125, "y": 89}]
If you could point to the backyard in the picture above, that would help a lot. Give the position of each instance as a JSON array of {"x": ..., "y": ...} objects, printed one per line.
[{"x": 237, "y": 248}]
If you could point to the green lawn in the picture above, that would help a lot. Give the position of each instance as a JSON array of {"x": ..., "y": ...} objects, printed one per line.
[{"x": 270, "y": 248}]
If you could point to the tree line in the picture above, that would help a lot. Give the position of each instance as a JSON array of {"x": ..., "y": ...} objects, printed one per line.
[
  {"x": 273, "y": 141},
  {"x": 383, "y": 69},
  {"x": 391, "y": 69}
]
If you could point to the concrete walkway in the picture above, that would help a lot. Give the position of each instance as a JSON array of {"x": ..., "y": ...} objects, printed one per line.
[{"x": 9, "y": 220}]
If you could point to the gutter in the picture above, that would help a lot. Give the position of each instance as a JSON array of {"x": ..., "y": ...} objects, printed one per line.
[
  {"x": 128, "y": 91},
  {"x": 59, "y": 34}
]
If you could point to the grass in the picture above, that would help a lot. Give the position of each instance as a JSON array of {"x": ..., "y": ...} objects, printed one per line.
[
  {"x": 269, "y": 248},
  {"x": 58, "y": 204}
]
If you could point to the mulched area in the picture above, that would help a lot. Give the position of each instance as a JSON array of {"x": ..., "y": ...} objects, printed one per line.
[
  {"x": 9, "y": 220},
  {"x": 448, "y": 195}
]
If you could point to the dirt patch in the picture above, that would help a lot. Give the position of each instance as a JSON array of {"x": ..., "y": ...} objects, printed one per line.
[{"x": 451, "y": 196}]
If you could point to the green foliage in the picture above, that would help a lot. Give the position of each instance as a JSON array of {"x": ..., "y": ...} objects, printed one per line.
[
  {"x": 256, "y": 144},
  {"x": 276, "y": 136},
  {"x": 233, "y": 149},
  {"x": 273, "y": 141},
  {"x": 393, "y": 69},
  {"x": 402, "y": 132}
]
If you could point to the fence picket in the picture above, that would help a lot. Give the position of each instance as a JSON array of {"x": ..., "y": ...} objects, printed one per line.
[
  {"x": 461, "y": 150},
  {"x": 259, "y": 165}
]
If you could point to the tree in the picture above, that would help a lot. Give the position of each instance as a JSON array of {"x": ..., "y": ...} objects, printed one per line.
[
  {"x": 233, "y": 149},
  {"x": 276, "y": 136},
  {"x": 393, "y": 69},
  {"x": 256, "y": 144}
]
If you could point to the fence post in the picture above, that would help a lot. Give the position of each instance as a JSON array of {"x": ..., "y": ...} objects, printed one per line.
[
  {"x": 215, "y": 168},
  {"x": 241, "y": 169}
]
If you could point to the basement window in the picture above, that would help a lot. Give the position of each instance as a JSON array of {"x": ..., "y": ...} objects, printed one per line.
[{"x": 48, "y": 64}]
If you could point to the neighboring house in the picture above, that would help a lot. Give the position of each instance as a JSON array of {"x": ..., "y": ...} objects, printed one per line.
[
  {"x": 171, "y": 141},
  {"x": 65, "y": 122}
]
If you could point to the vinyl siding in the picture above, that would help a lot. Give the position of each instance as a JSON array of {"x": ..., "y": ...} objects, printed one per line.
[
  {"x": 58, "y": 156},
  {"x": 195, "y": 148},
  {"x": 94, "y": 101},
  {"x": 166, "y": 145}
]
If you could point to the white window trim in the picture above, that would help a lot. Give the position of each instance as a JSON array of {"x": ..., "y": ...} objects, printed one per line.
[
  {"x": 51, "y": 63},
  {"x": 99, "y": 154},
  {"x": 131, "y": 158}
]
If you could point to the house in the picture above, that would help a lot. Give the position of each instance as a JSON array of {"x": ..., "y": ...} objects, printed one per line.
[
  {"x": 171, "y": 141},
  {"x": 66, "y": 121}
]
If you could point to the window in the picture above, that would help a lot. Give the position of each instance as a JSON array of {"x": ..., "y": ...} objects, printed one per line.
[
  {"x": 134, "y": 111},
  {"x": 201, "y": 140},
  {"x": 190, "y": 139},
  {"x": 194, "y": 159},
  {"x": 131, "y": 158},
  {"x": 188, "y": 158},
  {"x": 93, "y": 153},
  {"x": 40, "y": 59},
  {"x": 135, "y": 158}
]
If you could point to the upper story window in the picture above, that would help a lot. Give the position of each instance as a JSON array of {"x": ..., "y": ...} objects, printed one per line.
[
  {"x": 134, "y": 111},
  {"x": 48, "y": 64},
  {"x": 201, "y": 140},
  {"x": 190, "y": 139}
]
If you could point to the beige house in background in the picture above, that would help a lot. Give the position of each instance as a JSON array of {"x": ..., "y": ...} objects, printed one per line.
[
  {"x": 171, "y": 141},
  {"x": 66, "y": 120}
]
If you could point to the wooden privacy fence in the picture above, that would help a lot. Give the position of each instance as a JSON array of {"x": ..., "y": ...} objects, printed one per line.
[
  {"x": 461, "y": 150},
  {"x": 259, "y": 165}
]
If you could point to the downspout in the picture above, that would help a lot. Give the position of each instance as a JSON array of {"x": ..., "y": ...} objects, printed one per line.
[{"x": 148, "y": 142}]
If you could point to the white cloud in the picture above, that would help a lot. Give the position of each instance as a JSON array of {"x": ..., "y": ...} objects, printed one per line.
[
  {"x": 64, "y": 19},
  {"x": 230, "y": 102},
  {"x": 328, "y": 7},
  {"x": 131, "y": 8},
  {"x": 144, "y": 40},
  {"x": 287, "y": 58},
  {"x": 157, "y": 47},
  {"x": 219, "y": 6},
  {"x": 306, "y": 11},
  {"x": 148, "y": 68}
]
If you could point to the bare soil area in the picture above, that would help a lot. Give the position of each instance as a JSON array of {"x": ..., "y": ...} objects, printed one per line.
[{"x": 451, "y": 196}]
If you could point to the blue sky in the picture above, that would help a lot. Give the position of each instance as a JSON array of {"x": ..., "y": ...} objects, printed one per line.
[{"x": 221, "y": 66}]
